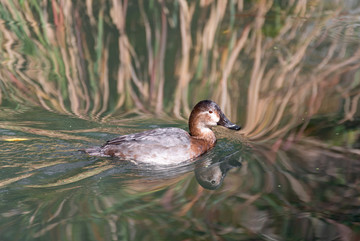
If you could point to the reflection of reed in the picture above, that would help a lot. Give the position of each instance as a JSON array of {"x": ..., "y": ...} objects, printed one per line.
[
  {"x": 269, "y": 61},
  {"x": 272, "y": 193},
  {"x": 42, "y": 132}
]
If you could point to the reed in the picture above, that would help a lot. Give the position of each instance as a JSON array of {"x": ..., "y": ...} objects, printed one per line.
[{"x": 268, "y": 64}]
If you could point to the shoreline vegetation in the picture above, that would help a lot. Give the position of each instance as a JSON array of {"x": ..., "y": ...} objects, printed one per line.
[{"x": 270, "y": 65}]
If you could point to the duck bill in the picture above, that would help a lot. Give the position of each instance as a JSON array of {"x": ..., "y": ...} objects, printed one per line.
[{"x": 224, "y": 121}]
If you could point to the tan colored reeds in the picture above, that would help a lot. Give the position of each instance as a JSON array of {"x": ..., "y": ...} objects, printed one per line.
[
  {"x": 184, "y": 65},
  {"x": 224, "y": 53}
]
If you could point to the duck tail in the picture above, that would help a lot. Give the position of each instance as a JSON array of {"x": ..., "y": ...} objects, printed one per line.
[{"x": 92, "y": 151}]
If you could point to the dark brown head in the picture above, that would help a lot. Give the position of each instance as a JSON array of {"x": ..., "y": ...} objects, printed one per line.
[{"x": 207, "y": 114}]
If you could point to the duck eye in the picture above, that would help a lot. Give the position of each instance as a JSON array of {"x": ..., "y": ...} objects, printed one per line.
[{"x": 210, "y": 111}]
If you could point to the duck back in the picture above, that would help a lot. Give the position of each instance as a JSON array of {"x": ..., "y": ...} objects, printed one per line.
[{"x": 157, "y": 146}]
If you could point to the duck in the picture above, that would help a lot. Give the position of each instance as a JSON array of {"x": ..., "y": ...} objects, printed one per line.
[{"x": 167, "y": 146}]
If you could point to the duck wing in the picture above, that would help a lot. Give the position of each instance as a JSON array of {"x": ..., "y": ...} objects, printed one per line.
[
  {"x": 158, "y": 146},
  {"x": 161, "y": 136}
]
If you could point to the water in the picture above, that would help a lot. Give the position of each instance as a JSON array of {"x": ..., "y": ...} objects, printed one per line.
[
  {"x": 237, "y": 191},
  {"x": 73, "y": 75}
]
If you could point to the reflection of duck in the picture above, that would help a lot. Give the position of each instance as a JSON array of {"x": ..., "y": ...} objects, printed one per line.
[
  {"x": 211, "y": 175},
  {"x": 170, "y": 145}
]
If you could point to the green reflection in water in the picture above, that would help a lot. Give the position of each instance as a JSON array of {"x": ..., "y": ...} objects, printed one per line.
[{"x": 49, "y": 190}]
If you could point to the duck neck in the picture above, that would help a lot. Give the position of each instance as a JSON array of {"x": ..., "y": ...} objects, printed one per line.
[{"x": 199, "y": 131}]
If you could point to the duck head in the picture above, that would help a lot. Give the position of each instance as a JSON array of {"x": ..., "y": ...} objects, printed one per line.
[{"x": 207, "y": 114}]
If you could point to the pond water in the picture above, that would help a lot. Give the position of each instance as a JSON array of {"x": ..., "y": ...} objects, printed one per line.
[
  {"x": 73, "y": 75},
  {"x": 237, "y": 191}
]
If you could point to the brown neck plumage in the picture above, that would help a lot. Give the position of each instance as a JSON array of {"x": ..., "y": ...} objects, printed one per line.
[{"x": 199, "y": 131}]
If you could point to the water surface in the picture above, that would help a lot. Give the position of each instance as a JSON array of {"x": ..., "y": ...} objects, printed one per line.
[
  {"x": 74, "y": 74},
  {"x": 50, "y": 190}
]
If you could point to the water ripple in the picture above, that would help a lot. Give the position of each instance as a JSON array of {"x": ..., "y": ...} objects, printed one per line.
[{"x": 345, "y": 28}]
